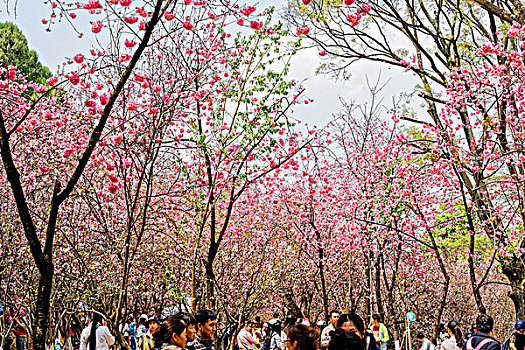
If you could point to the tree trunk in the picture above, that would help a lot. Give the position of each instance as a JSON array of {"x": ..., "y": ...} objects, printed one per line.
[
  {"x": 514, "y": 269},
  {"x": 41, "y": 323},
  {"x": 210, "y": 277}
]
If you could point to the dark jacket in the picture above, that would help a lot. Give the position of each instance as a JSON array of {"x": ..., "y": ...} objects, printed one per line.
[
  {"x": 343, "y": 340},
  {"x": 201, "y": 344},
  {"x": 478, "y": 337}
]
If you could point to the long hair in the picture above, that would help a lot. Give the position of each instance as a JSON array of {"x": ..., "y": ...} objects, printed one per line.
[
  {"x": 307, "y": 337},
  {"x": 97, "y": 317},
  {"x": 453, "y": 326},
  {"x": 173, "y": 325}
]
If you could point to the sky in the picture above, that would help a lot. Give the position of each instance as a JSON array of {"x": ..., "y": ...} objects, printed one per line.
[{"x": 52, "y": 48}]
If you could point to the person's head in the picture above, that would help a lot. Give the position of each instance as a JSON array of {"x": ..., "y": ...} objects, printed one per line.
[
  {"x": 206, "y": 323},
  {"x": 143, "y": 319},
  {"x": 173, "y": 331},
  {"x": 302, "y": 337},
  {"x": 352, "y": 323},
  {"x": 277, "y": 327},
  {"x": 420, "y": 336},
  {"x": 153, "y": 324},
  {"x": 455, "y": 331},
  {"x": 484, "y": 323},
  {"x": 249, "y": 326},
  {"x": 334, "y": 316},
  {"x": 320, "y": 325},
  {"x": 520, "y": 326},
  {"x": 375, "y": 319},
  {"x": 275, "y": 315},
  {"x": 191, "y": 325}
]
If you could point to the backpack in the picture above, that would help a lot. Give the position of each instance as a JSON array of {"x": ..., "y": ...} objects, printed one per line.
[
  {"x": 132, "y": 327},
  {"x": 511, "y": 340},
  {"x": 480, "y": 345}
]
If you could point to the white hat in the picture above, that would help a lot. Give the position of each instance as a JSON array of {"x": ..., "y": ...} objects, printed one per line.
[{"x": 143, "y": 316}]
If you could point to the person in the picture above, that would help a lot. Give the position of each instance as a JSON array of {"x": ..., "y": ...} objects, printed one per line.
[
  {"x": 172, "y": 334},
  {"x": 124, "y": 329},
  {"x": 425, "y": 343},
  {"x": 301, "y": 337},
  {"x": 206, "y": 328},
  {"x": 141, "y": 328},
  {"x": 132, "y": 339},
  {"x": 380, "y": 332},
  {"x": 351, "y": 334},
  {"x": 325, "y": 335},
  {"x": 96, "y": 336},
  {"x": 276, "y": 342},
  {"x": 245, "y": 339},
  {"x": 191, "y": 324},
  {"x": 20, "y": 330},
  {"x": 455, "y": 340},
  {"x": 481, "y": 340},
  {"x": 146, "y": 340},
  {"x": 517, "y": 339}
]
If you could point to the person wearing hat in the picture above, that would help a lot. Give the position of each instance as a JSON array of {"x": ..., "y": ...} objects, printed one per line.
[
  {"x": 517, "y": 339},
  {"x": 141, "y": 327},
  {"x": 146, "y": 340}
]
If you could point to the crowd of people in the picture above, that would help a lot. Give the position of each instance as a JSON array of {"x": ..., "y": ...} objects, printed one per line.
[
  {"x": 345, "y": 331},
  {"x": 202, "y": 331}
]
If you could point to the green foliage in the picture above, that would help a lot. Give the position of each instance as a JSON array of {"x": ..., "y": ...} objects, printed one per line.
[
  {"x": 455, "y": 237},
  {"x": 15, "y": 52}
]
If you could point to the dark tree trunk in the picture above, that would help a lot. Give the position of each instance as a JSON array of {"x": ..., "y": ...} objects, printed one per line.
[
  {"x": 514, "y": 270},
  {"x": 41, "y": 323}
]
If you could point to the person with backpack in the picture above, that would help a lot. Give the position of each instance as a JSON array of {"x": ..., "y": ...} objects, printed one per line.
[
  {"x": 276, "y": 343},
  {"x": 517, "y": 339},
  {"x": 481, "y": 340},
  {"x": 132, "y": 339}
]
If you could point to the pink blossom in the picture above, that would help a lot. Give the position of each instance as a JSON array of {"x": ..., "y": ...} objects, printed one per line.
[
  {"x": 322, "y": 53},
  {"x": 240, "y": 21},
  {"x": 74, "y": 78},
  {"x": 169, "y": 15},
  {"x": 248, "y": 10},
  {"x": 256, "y": 24},
  {"x": 104, "y": 99},
  {"x": 93, "y": 5},
  {"x": 307, "y": 2},
  {"x": 96, "y": 26},
  {"x": 79, "y": 58},
  {"x": 125, "y": 3},
  {"x": 113, "y": 188},
  {"x": 302, "y": 30},
  {"x": 187, "y": 25},
  {"x": 353, "y": 19},
  {"x": 44, "y": 21},
  {"x": 131, "y": 20},
  {"x": 52, "y": 81},
  {"x": 349, "y": 2},
  {"x": 73, "y": 15},
  {"x": 364, "y": 9},
  {"x": 129, "y": 43}
]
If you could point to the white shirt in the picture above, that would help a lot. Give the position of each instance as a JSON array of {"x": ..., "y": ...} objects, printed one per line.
[
  {"x": 104, "y": 338},
  {"x": 450, "y": 344},
  {"x": 325, "y": 335}
]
